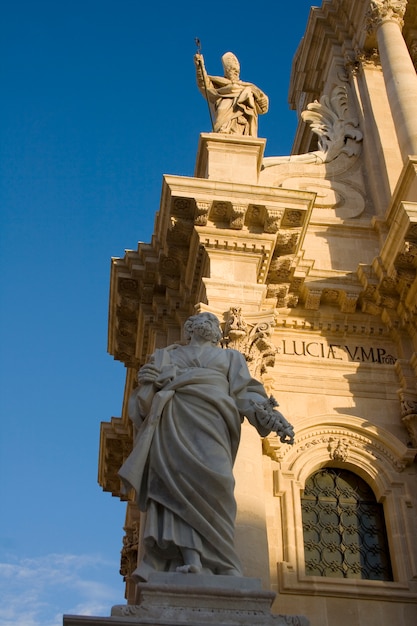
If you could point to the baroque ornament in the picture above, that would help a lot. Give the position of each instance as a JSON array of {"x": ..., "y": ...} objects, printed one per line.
[
  {"x": 328, "y": 118},
  {"x": 338, "y": 133},
  {"x": 129, "y": 555},
  {"x": 381, "y": 11},
  {"x": 252, "y": 340},
  {"x": 338, "y": 449}
]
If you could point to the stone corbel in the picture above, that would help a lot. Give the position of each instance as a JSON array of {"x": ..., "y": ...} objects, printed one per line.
[
  {"x": 202, "y": 212},
  {"x": 272, "y": 220},
  {"x": 237, "y": 216},
  {"x": 179, "y": 233},
  {"x": 170, "y": 270},
  {"x": 312, "y": 302},
  {"x": 287, "y": 241},
  {"x": 126, "y": 318},
  {"x": 115, "y": 446},
  {"x": 279, "y": 293},
  {"x": 348, "y": 301},
  {"x": 182, "y": 208}
]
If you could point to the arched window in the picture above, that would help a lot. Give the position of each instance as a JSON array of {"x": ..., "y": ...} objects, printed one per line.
[{"x": 344, "y": 527}]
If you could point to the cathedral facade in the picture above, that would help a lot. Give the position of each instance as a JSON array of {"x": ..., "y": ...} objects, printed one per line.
[{"x": 310, "y": 263}]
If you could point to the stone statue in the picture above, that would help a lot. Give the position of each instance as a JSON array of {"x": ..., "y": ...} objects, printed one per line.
[
  {"x": 234, "y": 104},
  {"x": 188, "y": 409}
]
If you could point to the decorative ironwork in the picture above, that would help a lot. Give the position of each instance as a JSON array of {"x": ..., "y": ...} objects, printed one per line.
[{"x": 344, "y": 528}]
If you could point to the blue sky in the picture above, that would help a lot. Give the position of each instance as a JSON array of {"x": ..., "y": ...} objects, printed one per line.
[{"x": 99, "y": 100}]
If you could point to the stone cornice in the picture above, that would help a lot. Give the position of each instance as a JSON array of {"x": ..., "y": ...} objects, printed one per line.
[
  {"x": 160, "y": 282},
  {"x": 115, "y": 446}
]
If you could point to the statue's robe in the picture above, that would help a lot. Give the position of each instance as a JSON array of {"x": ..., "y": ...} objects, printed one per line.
[{"x": 236, "y": 106}]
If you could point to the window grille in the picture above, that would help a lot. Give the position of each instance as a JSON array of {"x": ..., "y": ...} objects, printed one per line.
[{"x": 344, "y": 527}]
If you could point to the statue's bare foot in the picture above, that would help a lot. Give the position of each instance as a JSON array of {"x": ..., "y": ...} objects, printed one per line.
[
  {"x": 192, "y": 562},
  {"x": 188, "y": 569},
  {"x": 231, "y": 572}
]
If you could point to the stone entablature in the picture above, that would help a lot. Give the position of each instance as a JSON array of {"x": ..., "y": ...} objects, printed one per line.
[{"x": 200, "y": 221}]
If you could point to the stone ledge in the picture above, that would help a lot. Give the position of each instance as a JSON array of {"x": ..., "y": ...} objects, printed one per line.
[{"x": 170, "y": 599}]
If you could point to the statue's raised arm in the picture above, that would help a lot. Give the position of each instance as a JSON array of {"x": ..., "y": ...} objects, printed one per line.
[{"x": 234, "y": 104}]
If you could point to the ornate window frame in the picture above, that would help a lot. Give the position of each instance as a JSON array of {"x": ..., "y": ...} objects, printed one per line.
[{"x": 379, "y": 458}]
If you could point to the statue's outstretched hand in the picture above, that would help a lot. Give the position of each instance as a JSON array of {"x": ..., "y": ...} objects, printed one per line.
[{"x": 268, "y": 416}]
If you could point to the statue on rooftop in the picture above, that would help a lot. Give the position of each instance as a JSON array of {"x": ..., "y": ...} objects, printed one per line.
[
  {"x": 234, "y": 104},
  {"x": 188, "y": 410}
]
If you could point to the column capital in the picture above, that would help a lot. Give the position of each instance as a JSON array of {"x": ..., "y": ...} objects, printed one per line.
[{"x": 381, "y": 11}]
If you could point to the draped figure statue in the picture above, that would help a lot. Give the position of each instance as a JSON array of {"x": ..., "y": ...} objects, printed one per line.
[
  {"x": 234, "y": 104},
  {"x": 188, "y": 409}
]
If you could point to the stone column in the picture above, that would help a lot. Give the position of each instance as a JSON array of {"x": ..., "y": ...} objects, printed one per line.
[{"x": 385, "y": 18}]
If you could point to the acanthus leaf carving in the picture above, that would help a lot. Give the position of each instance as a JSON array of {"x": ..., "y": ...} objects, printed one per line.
[
  {"x": 338, "y": 133},
  {"x": 381, "y": 11},
  {"x": 253, "y": 340},
  {"x": 328, "y": 119}
]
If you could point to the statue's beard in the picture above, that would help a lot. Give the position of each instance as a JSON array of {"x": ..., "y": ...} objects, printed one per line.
[
  {"x": 233, "y": 76},
  {"x": 205, "y": 330}
]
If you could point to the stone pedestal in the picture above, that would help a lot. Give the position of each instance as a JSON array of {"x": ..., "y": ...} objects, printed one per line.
[
  {"x": 170, "y": 599},
  {"x": 232, "y": 158}
]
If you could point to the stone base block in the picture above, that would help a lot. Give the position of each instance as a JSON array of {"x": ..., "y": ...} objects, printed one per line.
[
  {"x": 231, "y": 158},
  {"x": 190, "y": 600}
]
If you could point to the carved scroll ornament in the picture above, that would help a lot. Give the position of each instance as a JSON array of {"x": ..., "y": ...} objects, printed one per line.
[
  {"x": 252, "y": 340},
  {"x": 329, "y": 119}
]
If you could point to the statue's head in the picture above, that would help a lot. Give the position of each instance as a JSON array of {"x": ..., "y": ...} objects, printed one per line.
[
  {"x": 205, "y": 324},
  {"x": 231, "y": 66}
]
